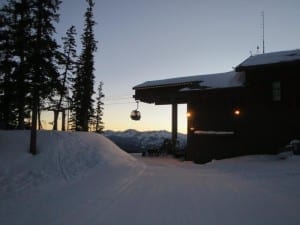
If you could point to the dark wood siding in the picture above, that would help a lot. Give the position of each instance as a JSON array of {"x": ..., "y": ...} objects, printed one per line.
[
  {"x": 213, "y": 126},
  {"x": 264, "y": 126}
]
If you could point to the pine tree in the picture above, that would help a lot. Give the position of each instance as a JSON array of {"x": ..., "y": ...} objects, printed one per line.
[
  {"x": 18, "y": 21},
  {"x": 7, "y": 112},
  {"x": 22, "y": 39},
  {"x": 27, "y": 64},
  {"x": 17, "y": 32},
  {"x": 83, "y": 89},
  {"x": 99, "y": 125},
  {"x": 68, "y": 63},
  {"x": 6, "y": 69},
  {"x": 44, "y": 70}
]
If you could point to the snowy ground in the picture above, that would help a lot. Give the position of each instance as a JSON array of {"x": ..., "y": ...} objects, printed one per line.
[{"x": 84, "y": 179}]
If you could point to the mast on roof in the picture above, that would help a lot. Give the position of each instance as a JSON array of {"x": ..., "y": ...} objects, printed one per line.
[
  {"x": 263, "y": 36},
  {"x": 263, "y": 31}
]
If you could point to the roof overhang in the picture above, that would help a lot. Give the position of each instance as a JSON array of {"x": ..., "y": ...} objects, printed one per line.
[{"x": 180, "y": 89}]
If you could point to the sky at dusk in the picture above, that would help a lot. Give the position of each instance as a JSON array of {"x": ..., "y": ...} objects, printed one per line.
[{"x": 141, "y": 40}]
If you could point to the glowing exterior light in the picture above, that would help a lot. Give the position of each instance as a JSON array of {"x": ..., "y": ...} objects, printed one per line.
[
  {"x": 188, "y": 114},
  {"x": 237, "y": 112}
]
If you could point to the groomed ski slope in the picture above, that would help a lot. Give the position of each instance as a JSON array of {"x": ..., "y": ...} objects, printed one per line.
[{"x": 84, "y": 179}]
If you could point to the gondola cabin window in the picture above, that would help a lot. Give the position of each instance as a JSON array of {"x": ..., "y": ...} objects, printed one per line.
[{"x": 276, "y": 91}]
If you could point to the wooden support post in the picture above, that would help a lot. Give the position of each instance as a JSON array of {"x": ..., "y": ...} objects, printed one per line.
[{"x": 174, "y": 123}]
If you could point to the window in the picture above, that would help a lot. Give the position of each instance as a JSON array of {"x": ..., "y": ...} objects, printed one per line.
[{"x": 276, "y": 91}]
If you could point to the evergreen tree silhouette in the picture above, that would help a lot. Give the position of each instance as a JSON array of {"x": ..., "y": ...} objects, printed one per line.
[
  {"x": 99, "y": 125},
  {"x": 15, "y": 36},
  {"x": 44, "y": 77},
  {"x": 67, "y": 61},
  {"x": 83, "y": 88}
]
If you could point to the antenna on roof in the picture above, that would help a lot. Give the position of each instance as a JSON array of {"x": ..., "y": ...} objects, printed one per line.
[{"x": 263, "y": 31}]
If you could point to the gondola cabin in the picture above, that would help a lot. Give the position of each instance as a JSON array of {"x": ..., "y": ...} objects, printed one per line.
[
  {"x": 252, "y": 110},
  {"x": 135, "y": 115}
]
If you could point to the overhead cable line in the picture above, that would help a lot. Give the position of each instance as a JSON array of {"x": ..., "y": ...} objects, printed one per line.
[{"x": 120, "y": 103}]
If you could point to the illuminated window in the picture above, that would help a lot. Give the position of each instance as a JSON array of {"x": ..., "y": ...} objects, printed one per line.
[{"x": 276, "y": 91}]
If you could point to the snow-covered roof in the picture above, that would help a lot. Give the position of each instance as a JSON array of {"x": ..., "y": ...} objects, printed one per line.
[
  {"x": 210, "y": 81},
  {"x": 271, "y": 58}
]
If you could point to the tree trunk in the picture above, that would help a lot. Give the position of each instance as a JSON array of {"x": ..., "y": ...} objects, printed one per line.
[
  {"x": 56, "y": 113},
  {"x": 85, "y": 122},
  {"x": 21, "y": 116},
  {"x": 39, "y": 119},
  {"x": 33, "y": 149},
  {"x": 63, "y": 121},
  {"x": 21, "y": 88}
]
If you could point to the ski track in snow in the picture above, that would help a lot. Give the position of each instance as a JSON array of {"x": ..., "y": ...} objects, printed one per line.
[
  {"x": 174, "y": 192},
  {"x": 65, "y": 161},
  {"x": 60, "y": 156},
  {"x": 207, "y": 197},
  {"x": 80, "y": 183},
  {"x": 102, "y": 202}
]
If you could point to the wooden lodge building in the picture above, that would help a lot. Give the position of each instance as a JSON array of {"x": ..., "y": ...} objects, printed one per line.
[{"x": 252, "y": 110}]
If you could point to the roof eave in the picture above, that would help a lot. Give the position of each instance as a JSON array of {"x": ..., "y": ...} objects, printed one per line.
[
  {"x": 162, "y": 86},
  {"x": 241, "y": 68}
]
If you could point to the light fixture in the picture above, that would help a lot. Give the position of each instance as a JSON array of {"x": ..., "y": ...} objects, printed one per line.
[{"x": 237, "y": 112}]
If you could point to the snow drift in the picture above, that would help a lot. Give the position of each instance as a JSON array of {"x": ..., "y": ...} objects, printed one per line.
[{"x": 64, "y": 155}]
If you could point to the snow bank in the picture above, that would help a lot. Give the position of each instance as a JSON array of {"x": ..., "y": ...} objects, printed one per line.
[{"x": 63, "y": 155}]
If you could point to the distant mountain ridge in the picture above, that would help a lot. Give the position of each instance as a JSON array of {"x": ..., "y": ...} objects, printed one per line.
[{"x": 137, "y": 141}]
